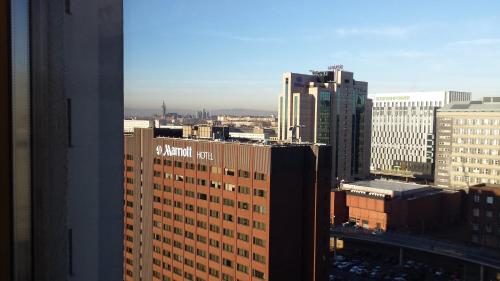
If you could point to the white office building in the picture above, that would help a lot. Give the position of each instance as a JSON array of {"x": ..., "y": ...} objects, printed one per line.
[{"x": 403, "y": 131}]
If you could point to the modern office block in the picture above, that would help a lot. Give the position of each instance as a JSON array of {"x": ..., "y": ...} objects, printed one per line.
[
  {"x": 403, "y": 132},
  {"x": 468, "y": 144},
  {"x": 214, "y": 210},
  {"x": 329, "y": 107}
]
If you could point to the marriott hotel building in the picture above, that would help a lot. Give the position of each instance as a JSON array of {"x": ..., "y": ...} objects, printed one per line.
[
  {"x": 403, "y": 132},
  {"x": 210, "y": 210}
]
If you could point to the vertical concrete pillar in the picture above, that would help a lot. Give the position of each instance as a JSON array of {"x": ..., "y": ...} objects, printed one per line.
[
  {"x": 481, "y": 273},
  {"x": 400, "y": 255}
]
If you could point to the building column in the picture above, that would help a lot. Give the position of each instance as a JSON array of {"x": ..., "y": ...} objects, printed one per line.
[{"x": 400, "y": 255}]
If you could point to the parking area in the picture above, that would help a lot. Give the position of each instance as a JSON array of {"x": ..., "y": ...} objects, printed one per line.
[{"x": 361, "y": 261}]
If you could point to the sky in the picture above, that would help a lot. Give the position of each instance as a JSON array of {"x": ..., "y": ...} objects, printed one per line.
[{"x": 222, "y": 54}]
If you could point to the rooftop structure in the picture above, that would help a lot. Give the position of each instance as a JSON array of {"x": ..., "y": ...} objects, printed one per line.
[{"x": 387, "y": 188}]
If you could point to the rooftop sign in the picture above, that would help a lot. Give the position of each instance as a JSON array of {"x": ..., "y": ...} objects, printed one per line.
[
  {"x": 393, "y": 98},
  {"x": 168, "y": 150}
]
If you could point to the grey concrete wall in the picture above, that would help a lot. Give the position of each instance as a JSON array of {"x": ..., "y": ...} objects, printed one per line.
[
  {"x": 93, "y": 44},
  {"x": 77, "y": 59}
]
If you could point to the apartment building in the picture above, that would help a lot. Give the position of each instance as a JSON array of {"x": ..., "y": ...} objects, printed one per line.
[
  {"x": 329, "y": 107},
  {"x": 213, "y": 210},
  {"x": 468, "y": 144},
  {"x": 403, "y": 132}
]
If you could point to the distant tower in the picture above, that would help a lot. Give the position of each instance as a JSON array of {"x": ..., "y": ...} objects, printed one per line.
[{"x": 164, "y": 110}]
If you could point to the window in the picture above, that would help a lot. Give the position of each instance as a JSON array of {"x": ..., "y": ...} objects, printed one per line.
[
  {"x": 243, "y": 221},
  {"x": 228, "y": 217},
  {"x": 202, "y": 196},
  {"x": 229, "y": 187},
  {"x": 475, "y": 212},
  {"x": 259, "y": 193},
  {"x": 213, "y": 272},
  {"x": 242, "y": 205},
  {"x": 214, "y": 258},
  {"x": 259, "y": 176},
  {"x": 216, "y": 170},
  {"x": 227, "y": 247},
  {"x": 190, "y": 180},
  {"x": 259, "y": 209},
  {"x": 259, "y": 225},
  {"x": 202, "y": 168},
  {"x": 214, "y": 214},
  {"x": 259, "y": 242},
  {"x": 243, "y": 189},
  {"x": 228, "y": 172},
  {"x": 477, "y": 198},
  {"x": 201, "y": 224},
  {"x": 178, "y": 164},
  {"x": 241, "y": 268},
  {"x": 201, "y": 253},
  {"x": 214, "y": 228},
  {"x": 215, "y": 184},
  {"x": 243, "y": 174},
  {"x": 258, "y": 274},
  {"x": 228, "y": 202},
  {"x": 489, "y": 200},
  {"x": 179, "y": 178},
  {"x": 190, "y": 166},
  {"x": 201, "y": 182},
  {"x": 167, "y": 162},
  {"x": 201, "y": 210},
  {"x": 227, "y": 263},
  {"x": 242, "y": 237},
  {"x": 214, "y": 199},
  {"x": 228, "y": 232},
  {"x": 259, "y": 258}
]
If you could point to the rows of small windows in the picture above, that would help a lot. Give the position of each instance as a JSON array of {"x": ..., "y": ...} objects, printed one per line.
[
  {"x": 476, "y": 170},
  {"x": 480, "y": 141},
  {"x": 475, "y": 131},
  {"x": 213, "y": 184},
  {"x": 203, "y": 253},
  {"x": 212, "y": 213},
  {"x": 213, "y": 169},
  {"x": 476, "y": 180},
  {"x": 476, "y": 122},
  {"x": 483, "y": 161}
]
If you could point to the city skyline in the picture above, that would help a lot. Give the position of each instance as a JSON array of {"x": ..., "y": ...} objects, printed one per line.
[{"x": 216, "y": 53}]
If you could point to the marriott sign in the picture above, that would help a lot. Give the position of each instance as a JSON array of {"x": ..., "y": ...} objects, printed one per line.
[{"x": 168, "y": 150}]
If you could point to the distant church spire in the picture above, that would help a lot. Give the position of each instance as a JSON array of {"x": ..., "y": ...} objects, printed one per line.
[{"x": 164, "y": 110}]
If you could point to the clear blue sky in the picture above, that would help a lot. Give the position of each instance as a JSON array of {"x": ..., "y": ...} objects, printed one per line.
[{"x": 231, "y": 53}]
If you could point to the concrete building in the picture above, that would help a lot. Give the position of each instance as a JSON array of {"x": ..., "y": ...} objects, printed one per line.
[
  {"x": 329, "y": 107},
  {"x": 202, "y": 210},
  {"x": 468, "y": 144},
  {"x": 396, "y": 206},
  {"x": 130, "y": 124},
  {"x": 484, "y": 215},
  {"x": 205, "y": 132},
  {"x": 61, "y": 137},
  {"x": 403, "y": 132}
]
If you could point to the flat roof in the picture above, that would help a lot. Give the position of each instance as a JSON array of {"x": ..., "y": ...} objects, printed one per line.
[
  {"x": 386, "y": 187},
  {"x": 472, "y": 106}
]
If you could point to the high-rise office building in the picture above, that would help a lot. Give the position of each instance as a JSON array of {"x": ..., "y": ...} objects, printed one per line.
[
  {"x": 212, "y": 210},
  {"x": 468, "y": 144},
  {"x": 403, "y": 132},
  {"x": 329, "y": 107}
]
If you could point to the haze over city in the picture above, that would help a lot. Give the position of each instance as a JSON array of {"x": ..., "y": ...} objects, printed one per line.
[{"x": 231, "y": 54}]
